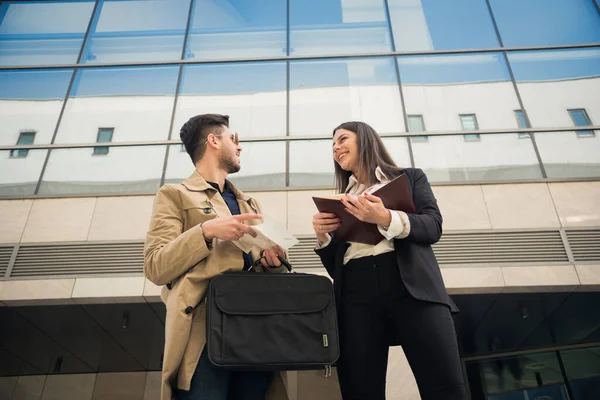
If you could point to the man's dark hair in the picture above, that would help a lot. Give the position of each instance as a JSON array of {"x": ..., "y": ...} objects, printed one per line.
[
  {"x": 193, "y": 133},
  {"x": 371, "y": 154}
]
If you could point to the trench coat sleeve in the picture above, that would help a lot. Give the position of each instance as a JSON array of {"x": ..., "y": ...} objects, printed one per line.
[
  {"x": 426, "y": 223},
  {"x": 169, "y": 252}
]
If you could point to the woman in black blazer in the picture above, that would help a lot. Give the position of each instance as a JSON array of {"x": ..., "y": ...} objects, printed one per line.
[{"x": 391, "y": 293}]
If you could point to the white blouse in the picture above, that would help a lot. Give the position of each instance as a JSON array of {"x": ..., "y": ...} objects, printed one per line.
[{"x": 399, "y": 226}]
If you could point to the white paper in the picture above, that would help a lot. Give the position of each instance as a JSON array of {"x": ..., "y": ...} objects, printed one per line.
[{"x": 269, "y": 235}]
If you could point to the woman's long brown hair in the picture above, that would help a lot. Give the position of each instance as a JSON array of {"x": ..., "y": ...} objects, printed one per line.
[{"x": 371, "y": 154}]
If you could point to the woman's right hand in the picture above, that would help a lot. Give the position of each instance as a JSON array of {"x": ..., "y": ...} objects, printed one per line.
[{"x": 323, "y": 224}]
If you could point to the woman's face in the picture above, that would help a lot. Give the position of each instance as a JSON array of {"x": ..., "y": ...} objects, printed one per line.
[{"x": 345, "y": 149}]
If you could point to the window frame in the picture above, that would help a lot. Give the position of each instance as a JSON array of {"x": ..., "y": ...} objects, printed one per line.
[
  {"x": 418, "y": 138},
  {"x": 473, "y": 137},
  {"x": 584, "y": 133},
  {"x": 522, "y": 135}
]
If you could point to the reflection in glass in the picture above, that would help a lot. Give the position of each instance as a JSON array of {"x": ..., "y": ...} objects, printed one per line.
[
  {"x": 19, "y": 175},
  {"x": 311, "y": 163},
  {"x": 546, "y": 23},
  {"x": 582, "y": 367},
  {"x": 31, "y": 100},
  {"x": 421, "y": 25},
  {"x": 441, "y": 88},
  {"x": 25, "y": 138},
  {"x": 235, "y": 29},
  {"x": 580, "y": 118},
  {"x": 122, "y": 170},
  {"x": 521, "y": 122},
  {"x": 494, "y": 157},
  {"x": 524, "y": 377},
  {"x": 567, "y": 155},
  {"x": 252, "y": 94},
  {"x": 26, "y": 38},
  {"x": 323, "y": 94},
  {"x": 137, "y": 30},
  {"x": 136, "y": 102},
  {"x": 552, "y": 82},
  {"x": 336, "y": 27},
  {"x": 263, "y": 166},
  {"x": 398, "y": 149}
]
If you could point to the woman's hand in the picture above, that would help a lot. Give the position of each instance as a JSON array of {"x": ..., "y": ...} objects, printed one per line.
[
  {"x": 323, "y": 224},
  {"x": 368, "y": 208},
  {"x": 269, "y": 257}
]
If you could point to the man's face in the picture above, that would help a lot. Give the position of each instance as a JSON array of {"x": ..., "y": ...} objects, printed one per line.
[{"x": 229, "y": 157}]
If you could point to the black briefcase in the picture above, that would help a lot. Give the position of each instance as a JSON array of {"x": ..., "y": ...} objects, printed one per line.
[{"x": 271, "y": 322}]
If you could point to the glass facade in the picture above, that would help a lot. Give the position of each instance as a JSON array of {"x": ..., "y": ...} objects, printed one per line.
[{"x": 473, "y": 74}]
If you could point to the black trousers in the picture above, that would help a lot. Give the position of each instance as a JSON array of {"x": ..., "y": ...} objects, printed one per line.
[{"x": 376, "y": 310}]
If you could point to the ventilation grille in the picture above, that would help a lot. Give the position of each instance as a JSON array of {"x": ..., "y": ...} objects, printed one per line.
[
  {"x": 303, "y": 254},
  {"x": 501, "y": 247},
  {"x": 5, "y": 254},
  {"x": 79, "y": 259},
  {"x": 585, "y": 244}
]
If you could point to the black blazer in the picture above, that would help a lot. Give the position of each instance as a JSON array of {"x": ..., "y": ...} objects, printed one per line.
[{"x": 419, "y": 269}]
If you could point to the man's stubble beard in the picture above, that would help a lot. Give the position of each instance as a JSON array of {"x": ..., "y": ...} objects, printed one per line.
[{"x": 226, "y": 163}]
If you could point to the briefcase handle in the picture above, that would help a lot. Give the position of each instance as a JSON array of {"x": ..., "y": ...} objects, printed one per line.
[{"x": 283, "y": 262}]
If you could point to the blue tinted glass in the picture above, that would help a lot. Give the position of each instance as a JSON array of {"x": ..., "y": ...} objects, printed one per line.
[
  {"x": 441, "y": 88},
  {"x": 325, "y": 93},
  {"x": 333, "y": 27},
  {"x": 551, "y": 82},
  {"x": 26, "y": 138},
  {"x": 252, "y": 94},
  {"x": 136, "y": 101},
  {"x": 521, "y": 119},
  {"x": 579, "y": 117},
  {"x": 49, "y": 32},
  {"x": 31, "y": 100},
  {"x": 441, "y": 24},
  {"x": 237, "y": 28},
  {"x": 137, "y": 30},
  {"x": 543, "y": 22},
  {"x": 105, "y": 135}
]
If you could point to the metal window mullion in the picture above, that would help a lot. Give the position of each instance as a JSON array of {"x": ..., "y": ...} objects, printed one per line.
[
  {"x": 93, "y": 21},
  {"x": 287, "y": 93},
  {"x": 11, "y": 261}
]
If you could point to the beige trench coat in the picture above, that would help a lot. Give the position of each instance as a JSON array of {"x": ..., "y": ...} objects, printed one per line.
[{"x": 176, "y": 256}]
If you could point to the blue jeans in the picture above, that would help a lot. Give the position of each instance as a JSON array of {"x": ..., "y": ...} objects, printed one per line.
[{"x": 211, "y": 383}]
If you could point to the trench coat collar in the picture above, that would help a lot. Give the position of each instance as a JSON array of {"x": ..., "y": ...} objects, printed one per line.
[{"x": 196, "y": 183}]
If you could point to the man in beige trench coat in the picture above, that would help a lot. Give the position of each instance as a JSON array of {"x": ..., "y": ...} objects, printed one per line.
[{"x": 189, "y": 242}]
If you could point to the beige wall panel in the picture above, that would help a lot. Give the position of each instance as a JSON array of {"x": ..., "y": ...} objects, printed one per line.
[
  {"x": 273, "y": 204},
  {"x": 13, "y": 216},
  {"x": 540, "y": 279},
  {"x": 54, "y": 220},
  {"x": 401, "y": 382},
  {"x": 7, "y": 387},
  {"x": 520, "y": 206},
  {"x": 301, "y": 210},
  {"x": 30, "y": 387},
  {"x": 314, "y": 385},
  {"x": 473, "y": 280},
  {"x": 120, "y": 386},
  {"x": 152, "y": 386},
  {"x": 47, "y": 291},
  {"x": 463, "y": 207},
  {"x": 107, "y": 290},
  {"x": 589, "y": 276},
  {"x": 121, "y": 218},
  {"x": 577, "y": 203},
  {"x": 69, "y": 387}
]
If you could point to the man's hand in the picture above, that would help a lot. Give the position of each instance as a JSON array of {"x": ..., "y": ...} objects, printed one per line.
[
  {"x": 368, "y": 208},
  {"x": 269, "y": 257},
  {"x": 230, "y": 228}
]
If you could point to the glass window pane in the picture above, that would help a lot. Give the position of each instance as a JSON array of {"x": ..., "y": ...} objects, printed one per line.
[
  {"x": 580, "y": 118},
  {"x": 566, "y": 155},
  {"x": 552, "y": 82},
  {"x": 19, "y": 175},
  {"x": 336, "y": 27},
  {"x": 415, "y": 123},
  {"x": 233, "y": 29},
  {"x": 263, "y": 166},
  {"x": 323, "y": 94},
  {"x": 582, "y": 367},
  {"x": 521, "y": 122},
  {"x": 31, "y": 101},
  {"x": 421, "y": 25},
  {"x": 491, "y": 158},
  {"x": 252, "y": 94},
  {"x": 398, "y": 149},
  {"x": 441, "y": 88},
  {"x": 137, "y": 30},
  {"x": 311, "y": 164},
  {"x": 25, "y": 138},
  {"x": 545, "y": 23},
  {"x": 112, "y": 173},
  {"x": 27, "y": 38},
  {"x": 136, "y": 101}
]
